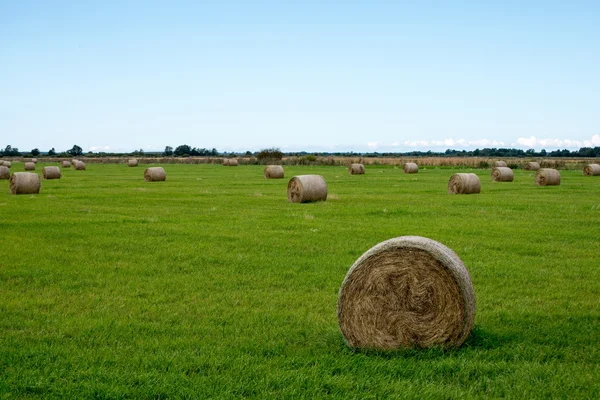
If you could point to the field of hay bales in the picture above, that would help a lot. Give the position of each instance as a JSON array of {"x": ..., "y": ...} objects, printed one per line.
[{"x": 212, "y": 285}]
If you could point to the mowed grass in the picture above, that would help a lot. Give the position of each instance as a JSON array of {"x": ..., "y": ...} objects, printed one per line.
[{"x": 212, "y": 285}]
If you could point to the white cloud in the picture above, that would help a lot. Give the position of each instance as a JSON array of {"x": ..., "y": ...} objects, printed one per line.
[
  {"x": 592, "y": 143},
  {"x": 373, "y": 145},
  {"x": 99, "y": 148},
  {"x": 534, "y": 143},
  {"x": 454, "y": 143}
]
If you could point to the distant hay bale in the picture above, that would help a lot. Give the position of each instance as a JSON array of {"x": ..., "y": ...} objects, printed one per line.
[
  {"x": 34, "y": 160},
  {"x": 532, "y": 166},
  {"x": 155, "y": 174},
  {"x": 225, "y": 161},
  {"x": 591, "y": 170},
  {"x": 356, "y": 169},
  {"x": 132, "y": 162},
  {"x": 307, "y": 188},
  {"x": 547, "y": 177},
  {"x": 25, "y": 183},
  {"x": 406, "y": 292},
  {"x": 500, "y": 163},
  {"x": 464, "y": 183},
  {"x": 79, "y": 165},
  {"x": 66, "y": 164},
  {"x": 233, "y": 163},
  {"x": 51, "y": 172},
  {"x": 410, "y": 168},
  {"x": 7, "y": 164},
  {"x": 29, "y": 166},
  {"x": 273, "y": 172},
  {"x": 4, "y": 172},
  {"x": 502, "y": 174}
]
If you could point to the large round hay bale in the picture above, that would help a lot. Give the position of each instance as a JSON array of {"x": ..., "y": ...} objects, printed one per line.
[
  {"x": 406, "y": 292},
  {"x": 356, "y": 169},
  {"x": 410, "y": 168},
  {"x": 273, "y": 172},
  {"x": 79, "y": 165},
  {"x": 155, "y": 174},
  {"x": 7, "y": 164},
  {"x": 547, "y": 177},
  {"x": 500, "y": 163},
  {"x": 225, "y": 162},
  {"x": 307, "y": 188},
  {"x": 132, "y": 162},
  {"x": 233, "y": 163},
  {"x": 532, "y": 166},
  {"x": 464, "y": 183},
  {"x": 502, "y": 174},
  {"x": 591, "y": 170},
  {"x": 66, "y": 164},
  {"x": 51, "y": 172},
  {"x": 29, "y": 166},
  {"x": 25, "y": 183},
  {"x": 4, "y": 172}
]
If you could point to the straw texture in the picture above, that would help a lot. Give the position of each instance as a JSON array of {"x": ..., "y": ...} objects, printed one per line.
[
  {"x": 25, "y": 183},
  {"x": 51, "y": 172},
  {"x": 532, "y": 166},
  {"x": 502, "y": 174},
  {"x": 410, "y": 168},
  {"x": 273, "y": 172},
  {"x": 132, "y": 162},
  {"x": 356, "y": 169},
  {"x": 155, "y": 174},
  {"x": 307, "y": 188},
  {"x": 591, "y": 170},
  {"x": 29, "y": 166},
  {"x": 464, "y": 184},
  {"x": 406, "y": 292},
  {"x": 7, "y": 164},
  {"x": 79, "y": 165},
  {"x": 547, "y": 177},
  {"x": 500, "y": 163},
  {"x": 4, "y": 172},
  {"x": 66, "y": 164}
]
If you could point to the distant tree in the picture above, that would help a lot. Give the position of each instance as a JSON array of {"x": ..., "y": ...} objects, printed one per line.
[
  {"x": 35, "y": 152},
  {"x": 52, "y": 152},
  {"x": 182, "y": 150},
  {"x": 9, "y": 151},
  {"x": 270, "y": 154},
  {"x": 248, "y": 153},
  {"x": 168, "y": 151},
  {"x": 214, "y": 152},
  {"x": 75, "y": 151}
]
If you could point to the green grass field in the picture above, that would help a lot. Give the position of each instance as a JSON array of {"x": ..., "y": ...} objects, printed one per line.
[{"x": 212, "y": 285}]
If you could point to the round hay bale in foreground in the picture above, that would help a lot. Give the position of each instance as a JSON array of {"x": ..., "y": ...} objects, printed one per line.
[
  {"x": 502, "y": 174},
  {"x": 410, "y": 168},
  {"x": 155, "y": 174},
  {"x": 273, "y": 172},
  {"x": 406, "y": 292},
  {"x": 307, "y": 188},
  {"x": 29, "y": 166},
  {"x": 356, "y": 169},
  {"x": 132, "y": 162},
  {"x": 4, "y": 172},
  {"x": 25, "y": 183},
  {"x": 464, "y": 184},
  {"x": 532, "y": 166},
  {"x": 51, "y": 172},
  {"x": 79, "y": 165},
  {"x": 66, "y": 164},
  {"x": 225, "y": 161},
  {"x": 547, "y": 177},
  {"x": 591, "y": 170},
  {"x": 500, "y": 163}
]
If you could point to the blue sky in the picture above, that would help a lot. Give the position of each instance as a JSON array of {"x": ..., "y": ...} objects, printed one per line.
[{"x": 314, "y": 75}]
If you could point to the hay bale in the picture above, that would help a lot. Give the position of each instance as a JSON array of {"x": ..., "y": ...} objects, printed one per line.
[
  {"x": 591, "y": 170},
  {"x": 406, "y": 292},
  {"x": 51, "y": 172},
  {"x": 79, "y": 165},
  {"x": 225, "y": 161},
  {"x": 34, "y": 160},
  {"x": 273, "y": 172},
  {"x": 547, "y": 177},
  {"x": 464, "y": 184},
  {"x": 410, "y": 168},
  {"x": 25, "y": 183},
  {"x": 356, "y": 169},
  {"x": 29, "y": 166},
  {"x": 532, "y": 166},
  {"x": 307, "y": 188},
  {"x": 155, "y": 174},
  {"x": 233, "y": 163},
  {"x": 502, "y": 174},
  {"x": 132, "y": 162},
  {"x": 7, "y": 164},
  {"x": 4, "y": 172},
  {"x": 66, "y": 164},
  {"x": 500, "y": 163}
]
